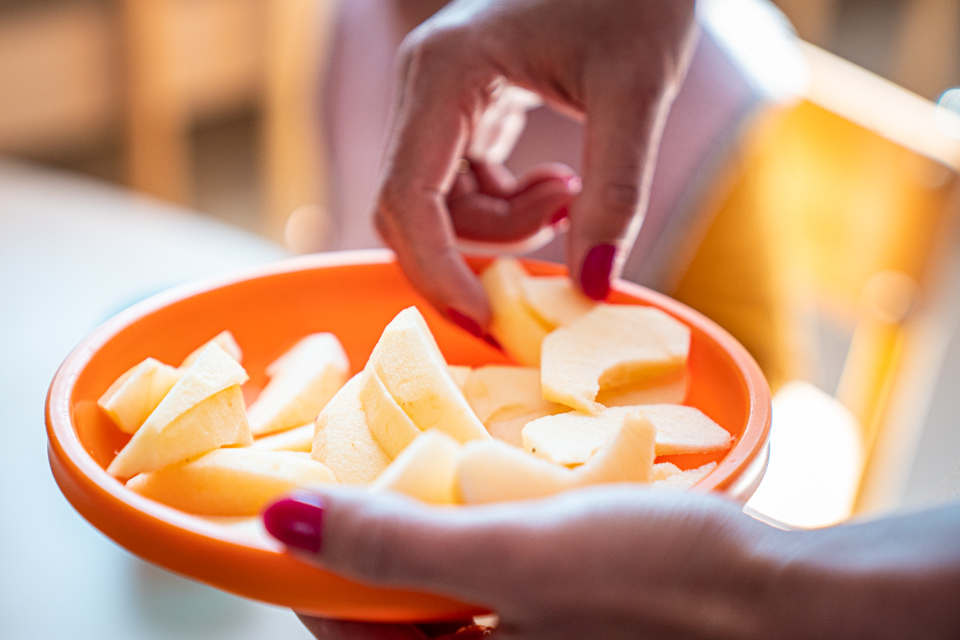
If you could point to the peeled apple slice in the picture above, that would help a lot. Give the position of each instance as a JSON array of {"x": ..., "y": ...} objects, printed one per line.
[
  {"x": 302, "y": 381},
  {"x": 296, "y": 439},
  {"x": 555, "y": 299},
  {"x": 513, "y": 324},
  {"x": 425, "y": 470},
  {"x": 572, "y": 438},
  {"x": 224, "y": 340},
  {"x": 683, "y": 480},
  {"x": 411, "y": 367},
  {"x": 502, "y": 391},
  {"x": 611, "y": 346},
  {"x": 343, "y": 441},
  {"x": 391, "y": 427},
  {"x": 493, "y": 471},
  {"x": 681, "y": 429},
  {"x": 230, "y": 482},
  {"x": 626, "y": 457},
  {"x": 136, "y": 393},
  {"x": 203, "y": 411}
]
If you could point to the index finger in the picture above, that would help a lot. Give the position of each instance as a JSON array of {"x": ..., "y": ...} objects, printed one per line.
[{"x": 430, "y": 134}]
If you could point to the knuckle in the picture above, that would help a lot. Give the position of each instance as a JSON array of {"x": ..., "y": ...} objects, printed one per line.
[{"x": 620, "y": 199}]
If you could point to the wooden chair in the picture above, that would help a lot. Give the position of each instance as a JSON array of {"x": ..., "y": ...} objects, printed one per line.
[{"x": 859, "y": 191}]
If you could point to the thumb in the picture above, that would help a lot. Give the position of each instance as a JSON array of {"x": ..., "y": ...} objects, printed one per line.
[
  {"x": 622, "y": 136},
  {"x": 389, "y": 540}
]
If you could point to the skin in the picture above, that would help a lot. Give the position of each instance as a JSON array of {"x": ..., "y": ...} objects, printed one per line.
[
  {"x": 632, "y": 562},
  {"x": 609, "y": 562},
  {"x": 617, "y": 64}
]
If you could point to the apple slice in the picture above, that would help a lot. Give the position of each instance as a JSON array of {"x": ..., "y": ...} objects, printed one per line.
[
  {"x": 568, "y": 438},
  {"x": 668, "y": 389},
  {"x": 572, "y": 438},
  {"x": 224, "y": 340},
  {"x": 684, "y": 480},
  {"x": 391, "y": 427},
  {"x": 611, "y": 346},
  {"x": 510, "y": 430},
  {"x": 343, "y": 441},
  {"x": 230, "y": 482},
  {"x": 302, "y": 381},
  {"x": 425, "y": 470},
  {"x": 503, "y": 391},
  {"x": 626, "y": 457},
  {"x": 203, "y": 411},
  {"x": 135, "y": 394},
  {"x": 296, "y": 439},
  {"x": 411, "y": 367},
  {"x": 493, "y": 471},
  {"x": 518, "y": 330},
  {"x": 554, "y": 299},
  {"x": 680, "y": 429},
  {"x": 460, "y": 374}
]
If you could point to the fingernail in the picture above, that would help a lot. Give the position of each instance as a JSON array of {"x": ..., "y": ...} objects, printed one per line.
[
  {"x": 465, "y": 322},
  {"x": 561, "y": 214},
  {"x": 595, "y": 274},
  {"x": 574, "y": 184},
  {"x": 296, "y": 521}
]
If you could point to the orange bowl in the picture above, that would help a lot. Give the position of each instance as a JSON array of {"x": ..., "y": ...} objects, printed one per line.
[{"x": 354, "y": 295}]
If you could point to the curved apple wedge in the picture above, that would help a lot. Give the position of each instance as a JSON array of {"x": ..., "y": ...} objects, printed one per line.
[
  {"x": 203, "y": 411},
  {"x": 612, "y": 346},
  {"x": 231, "y": 482}
]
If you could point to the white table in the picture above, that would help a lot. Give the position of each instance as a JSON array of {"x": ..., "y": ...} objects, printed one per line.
[{"x": 72, "y": 253}]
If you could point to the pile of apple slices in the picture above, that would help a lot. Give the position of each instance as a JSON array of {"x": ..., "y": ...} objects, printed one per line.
[
  {"x": 596, "y": 398},
  {"x": 193, "y": 443}
]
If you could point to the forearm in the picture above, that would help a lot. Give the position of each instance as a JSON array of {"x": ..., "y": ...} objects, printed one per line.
[{"x": 892, "y": 578}]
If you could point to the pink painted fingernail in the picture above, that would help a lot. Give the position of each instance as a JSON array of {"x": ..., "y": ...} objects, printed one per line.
[
  {"x": 465, "y": 322},
  {"x": 297, "y": 521},
  {"x": 561, "y": 214},
  {"x": 595, "y": 274}
]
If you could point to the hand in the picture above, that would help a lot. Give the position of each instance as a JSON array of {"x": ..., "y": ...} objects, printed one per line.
[
  {"x": 621, "y": 561},
  {"x": 616, "y": 63},
  {"x": 613, "y": 562}
]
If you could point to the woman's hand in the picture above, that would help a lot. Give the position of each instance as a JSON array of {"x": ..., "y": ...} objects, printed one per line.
[
  {"x": 613, "y": 562},
  {"x": 616, "y": 63}
]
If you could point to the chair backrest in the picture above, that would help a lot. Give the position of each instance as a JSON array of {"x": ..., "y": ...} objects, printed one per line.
[{"x": 857, "y": 187}]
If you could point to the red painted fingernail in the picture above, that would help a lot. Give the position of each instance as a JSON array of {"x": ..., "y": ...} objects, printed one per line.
[
  {"x": 465, "y": 322},
  {"x": 561, "y": 214},
  {"x": 297, "y": 521},
  {"x": 595, "y": 275}
]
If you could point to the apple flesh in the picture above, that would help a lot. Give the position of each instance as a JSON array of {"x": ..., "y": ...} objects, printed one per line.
[
  {"x": 136, "y": 393},
  {"x": 343, "y": 441},
  {"x": 296, "y": 439},
  {"x": 302, "y": 381},
  {"x": 409, "y": 363},
  {"x": 494, "y": 471},
  {"x": 425, "y": 470},
  {"x": 230, "y": 482},
  {"x": 203, "y": 411},
  {"x": 224, "y": 340},
  {"x": 518, "y": 330},
  {"x": 612, "y": 346},
  {"x": 391, "y": 427}
]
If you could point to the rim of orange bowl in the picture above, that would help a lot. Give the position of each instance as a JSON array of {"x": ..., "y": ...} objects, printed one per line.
[{"x": 64, "y": 442}]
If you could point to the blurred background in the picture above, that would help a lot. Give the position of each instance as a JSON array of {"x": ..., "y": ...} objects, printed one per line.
[
  {"x": 148, "y": 142},
  {"x": 199, "y": 102}
]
